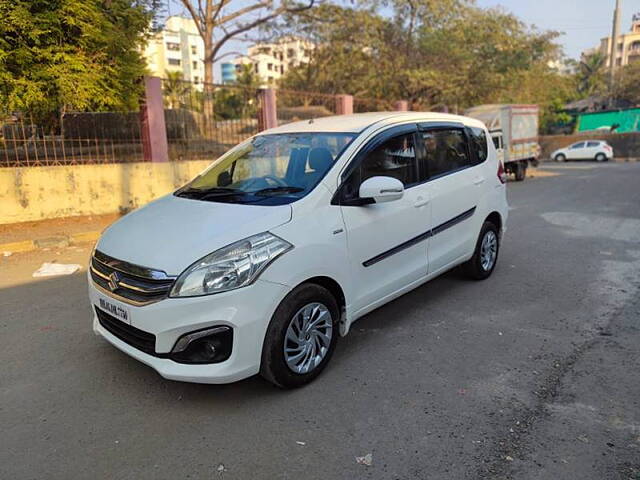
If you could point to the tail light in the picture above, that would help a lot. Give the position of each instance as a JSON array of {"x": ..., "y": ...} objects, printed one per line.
[
  {"x": 607, "y": 147},
  {"x": 502, "y": 175}
]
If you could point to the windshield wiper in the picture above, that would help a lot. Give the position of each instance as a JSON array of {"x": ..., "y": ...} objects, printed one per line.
[
  {"x": 200, "y": 193},
  {"x": 277, "y": 190}
]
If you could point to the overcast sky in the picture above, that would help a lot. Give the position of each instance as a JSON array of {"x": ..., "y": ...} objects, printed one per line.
[{"x": 582, "y": 22}]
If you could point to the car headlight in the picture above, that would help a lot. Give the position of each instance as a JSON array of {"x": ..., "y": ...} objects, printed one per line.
[{"x": 231, "y": 267}]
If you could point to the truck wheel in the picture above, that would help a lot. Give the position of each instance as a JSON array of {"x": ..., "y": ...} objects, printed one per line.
[
  {"x": 521, "y": 171},
  {"x": 301, "y": 337},
  {"x": 560, "y": 158},
  {"x": 485, "y": 256}
]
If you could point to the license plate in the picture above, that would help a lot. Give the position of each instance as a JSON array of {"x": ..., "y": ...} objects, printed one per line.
[{"x": 121, "y": 313}]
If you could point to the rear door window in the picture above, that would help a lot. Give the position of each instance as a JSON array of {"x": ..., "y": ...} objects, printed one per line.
[
  {"x": 446, "y": 151},
  {"x": 593, "y": 144}
]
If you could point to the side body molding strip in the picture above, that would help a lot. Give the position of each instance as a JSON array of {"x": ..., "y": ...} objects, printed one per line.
[{"x": 423, "y": 236}]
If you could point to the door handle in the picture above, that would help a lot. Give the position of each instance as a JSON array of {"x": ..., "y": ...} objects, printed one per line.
[
  {"x": 478, "y": 181},
  {"x": 421, "y": 202}
]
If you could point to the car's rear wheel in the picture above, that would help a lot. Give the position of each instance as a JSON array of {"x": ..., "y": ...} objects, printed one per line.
[
  {"x": 485, "y": 255},
  {"x": 560, "y": 157},
  {"x": 601, "y": 157},
  {"x": 301, "y": 337}
]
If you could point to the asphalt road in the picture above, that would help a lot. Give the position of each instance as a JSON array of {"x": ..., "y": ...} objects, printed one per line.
[{"x": 532, "y": 374}]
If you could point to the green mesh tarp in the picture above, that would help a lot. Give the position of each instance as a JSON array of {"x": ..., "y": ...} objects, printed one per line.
[{"x": 629, "y": 120}]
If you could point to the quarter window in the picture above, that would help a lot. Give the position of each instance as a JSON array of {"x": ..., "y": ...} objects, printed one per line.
[
  {"x": 446, "y": 151},
  {"x": 478, "y": 143}
]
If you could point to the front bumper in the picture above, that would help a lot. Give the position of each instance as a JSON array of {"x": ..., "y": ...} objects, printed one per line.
[{"x": 247, "y": 310}]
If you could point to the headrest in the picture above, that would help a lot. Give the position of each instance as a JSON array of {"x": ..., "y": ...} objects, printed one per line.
[{"x": 320, "y": 158}]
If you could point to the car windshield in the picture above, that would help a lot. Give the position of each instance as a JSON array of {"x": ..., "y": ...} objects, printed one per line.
[{"x": 269, "y": 169}]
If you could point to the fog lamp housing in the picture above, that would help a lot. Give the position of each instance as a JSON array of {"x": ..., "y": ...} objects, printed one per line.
[{"x": 210, "y": 345}]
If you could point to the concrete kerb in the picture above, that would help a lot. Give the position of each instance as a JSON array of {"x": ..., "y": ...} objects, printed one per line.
[{"x": 56, "y": 241}]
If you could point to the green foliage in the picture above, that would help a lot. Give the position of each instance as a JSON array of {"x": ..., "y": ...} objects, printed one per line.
[
  {"x": 434, "y": 53},
  {"x": 628, "y": 83},
  {"x": 238, "y": 100},
  {"x": 58, "y": 55},
  {"x": 591, "y": 75}
]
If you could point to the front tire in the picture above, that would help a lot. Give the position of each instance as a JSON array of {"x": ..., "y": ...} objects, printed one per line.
[
  {"x": 561, "y": 158},
  {"x": 301, "y": 337},
  {"x": 485, "y": 255}
]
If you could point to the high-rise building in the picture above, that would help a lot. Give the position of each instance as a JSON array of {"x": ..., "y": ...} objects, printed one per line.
[
  {"x": 178, "y": 47},
  {"x": 270, "y": 61}
]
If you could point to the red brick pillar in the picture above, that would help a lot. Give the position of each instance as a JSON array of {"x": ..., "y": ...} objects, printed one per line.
[
  {"x": 268, "y": 113},
  {"x": 153, "y": 128},
  {"x": 401, "y": 106},
  {"x": 344, "y": 104}
]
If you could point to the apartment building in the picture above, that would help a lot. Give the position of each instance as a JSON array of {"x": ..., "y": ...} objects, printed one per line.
[
  {"x": 178, "y": 47},
  {"x": 270, "y": 61},
  {"x": 628, "y": 48}
]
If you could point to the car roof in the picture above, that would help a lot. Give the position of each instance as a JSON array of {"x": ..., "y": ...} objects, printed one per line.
[{"x": 356, "y": 123}]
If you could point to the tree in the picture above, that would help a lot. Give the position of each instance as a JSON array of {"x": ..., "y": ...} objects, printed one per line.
[
  {"x": 217, "y": 25},
  {"x": 628, "y": 83},
  {"x": 175, "y": 90},
  {"x": 71, "y": 54},
  {"x": 434, "y": 53},
  {"x": 591, "y": 75}
]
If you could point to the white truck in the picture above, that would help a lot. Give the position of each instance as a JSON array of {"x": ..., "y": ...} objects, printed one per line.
[{"x": 514, "y": 131}]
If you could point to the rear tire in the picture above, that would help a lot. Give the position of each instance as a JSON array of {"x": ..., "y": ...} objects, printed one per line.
[
  {"x": 277, "y": 366},
  {"x": 521, "y": 171},
  {"x": 560, "y": 158},
  {"x": 601, "y": 157},
  {"x": 485, "y": 255}
]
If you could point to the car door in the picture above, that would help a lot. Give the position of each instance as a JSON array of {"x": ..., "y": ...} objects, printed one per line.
[
  {"x": 388, "y": 241},
  {"x": 591, "y": 149},
  {"x": 576, "y": 151},
  {"x": 455, "y": 182}
]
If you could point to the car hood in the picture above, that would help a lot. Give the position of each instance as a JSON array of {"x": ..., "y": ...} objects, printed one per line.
[{"x": 171, "y": 233}]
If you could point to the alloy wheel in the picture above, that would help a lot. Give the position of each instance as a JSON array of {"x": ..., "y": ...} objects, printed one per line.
[
  {"x": 488, "y": 250},
  {"x": 308, "y": 338}
]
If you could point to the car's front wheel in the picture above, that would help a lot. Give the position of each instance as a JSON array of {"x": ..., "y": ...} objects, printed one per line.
[
  {"x": 560, "y": 157},
  {"x": 485, "y": 256},
  {"x": 301, "y": 337}
]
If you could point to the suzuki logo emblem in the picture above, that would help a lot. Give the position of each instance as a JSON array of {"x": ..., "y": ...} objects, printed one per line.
[{"x": 114, "y": 281}]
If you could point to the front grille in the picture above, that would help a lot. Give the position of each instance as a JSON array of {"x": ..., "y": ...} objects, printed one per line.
[
  {"x": 133, "y": 336},
  {"x": 130, "y": 283}
]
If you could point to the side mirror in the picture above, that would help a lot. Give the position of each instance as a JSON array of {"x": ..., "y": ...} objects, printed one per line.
[{"x": 381, "y": 189}]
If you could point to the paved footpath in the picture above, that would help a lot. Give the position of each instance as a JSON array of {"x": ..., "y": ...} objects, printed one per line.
[{"x": 533, "y": 374}]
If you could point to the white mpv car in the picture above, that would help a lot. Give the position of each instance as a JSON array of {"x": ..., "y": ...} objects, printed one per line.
[{"x": 261, "y": 262}]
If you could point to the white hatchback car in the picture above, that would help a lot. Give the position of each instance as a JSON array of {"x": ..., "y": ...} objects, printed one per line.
[
  {"x": 261, "y": 262},
  {"x": 597, "y": 150}
]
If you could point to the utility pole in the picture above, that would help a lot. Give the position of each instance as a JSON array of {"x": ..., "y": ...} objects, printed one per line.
[{"x": 614, "y": 43}]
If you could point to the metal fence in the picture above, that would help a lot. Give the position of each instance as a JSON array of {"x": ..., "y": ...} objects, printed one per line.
[
  {"x": 293, "y": 105},
  {"x": 74, "y": 138},
  {"x": 204, "y": 121}
]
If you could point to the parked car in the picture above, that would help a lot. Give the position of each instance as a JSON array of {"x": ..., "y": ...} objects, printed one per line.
[
  {"x": 261, "y": 262},
  {"x": 597, "y": 150}
]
